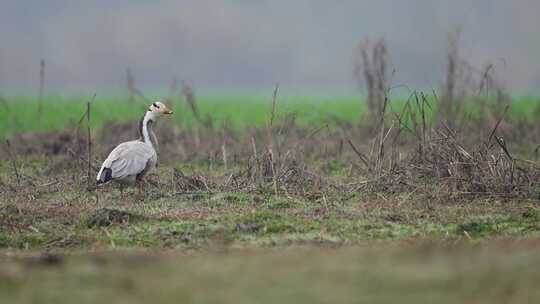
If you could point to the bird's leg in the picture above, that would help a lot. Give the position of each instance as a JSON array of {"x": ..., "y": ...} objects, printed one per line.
[
  {"x": 140, "y": 195},
  {"x": 121, "y": 191}
]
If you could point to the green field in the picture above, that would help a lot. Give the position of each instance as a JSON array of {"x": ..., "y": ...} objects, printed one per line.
[{"x": 19, "y": 114}]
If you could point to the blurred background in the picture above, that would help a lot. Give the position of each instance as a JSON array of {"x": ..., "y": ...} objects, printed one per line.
[{"x": 306, "y": 46}]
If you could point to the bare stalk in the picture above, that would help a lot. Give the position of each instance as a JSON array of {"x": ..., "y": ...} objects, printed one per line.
[
  {"x": 172, "y": 90},
  {"x": 371, "y": 67},
  {"x": 130, "y": 80},
  {"x": 89, "y": 142},
  {"x": 189, "y": 96},
  {"x": 13, "y": 162},
  {"x": 497, "y": 125},
  {"x": 224, "y": 155},
  {"x": 270, "y": 134},
  {"x": 254, "y": 147},
  {"x": 274, "y": 100},
  {"x": 382, "y": 137},
  {"x": 360, "y": 155},
  {"x": 41, "y": 88},
  {"x": 274, "y": 174}
]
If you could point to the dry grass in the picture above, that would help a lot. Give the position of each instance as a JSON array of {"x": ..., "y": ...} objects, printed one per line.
[{"x": 280, "y": 183}]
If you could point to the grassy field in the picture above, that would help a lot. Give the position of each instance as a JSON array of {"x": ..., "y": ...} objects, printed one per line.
[
  {"x": 285, "y": 213},
  {"x": 19, "y": 114},
  {"x": 60, "y": 243},
  {"x": 58, "y": 213}
]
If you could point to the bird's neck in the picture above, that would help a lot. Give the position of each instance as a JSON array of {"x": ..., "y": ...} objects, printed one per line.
[{"x": 146, "y": 130}]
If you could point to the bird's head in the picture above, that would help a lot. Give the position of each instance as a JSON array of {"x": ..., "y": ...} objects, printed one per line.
[{"x": 158, "y": 109}]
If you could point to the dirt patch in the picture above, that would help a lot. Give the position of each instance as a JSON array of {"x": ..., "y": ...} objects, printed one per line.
[
  {"x": 248, "y": 228},
  {"x": 107, "y": 217}
]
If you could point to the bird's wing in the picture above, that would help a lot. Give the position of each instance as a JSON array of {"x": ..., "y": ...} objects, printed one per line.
[{"x": 129, "y": 158}]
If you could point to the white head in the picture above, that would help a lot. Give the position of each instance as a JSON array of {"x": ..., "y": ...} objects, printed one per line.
[{"x": 158, "y": 109}]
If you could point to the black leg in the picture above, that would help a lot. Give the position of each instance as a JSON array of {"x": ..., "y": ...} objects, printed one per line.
[{"x": 140, "y": 186}]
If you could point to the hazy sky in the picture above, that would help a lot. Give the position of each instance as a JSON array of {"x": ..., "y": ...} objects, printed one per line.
[{"x": 249, "y": 45}]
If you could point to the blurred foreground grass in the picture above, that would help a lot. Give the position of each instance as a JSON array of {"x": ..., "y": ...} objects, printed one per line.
[
  {"x": 495, "y": 272},
  {"x": 19, "y": 114}
]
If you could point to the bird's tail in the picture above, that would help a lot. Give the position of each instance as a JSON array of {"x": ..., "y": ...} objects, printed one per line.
[{"x": 104, "y": 176}]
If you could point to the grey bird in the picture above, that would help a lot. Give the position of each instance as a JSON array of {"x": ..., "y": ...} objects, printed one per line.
[{"x": 130, "y": 161}]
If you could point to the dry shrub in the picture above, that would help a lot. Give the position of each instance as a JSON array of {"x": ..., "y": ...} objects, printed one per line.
[
  {"x": 481, "y": 169},
  {"x": 447, "y": 161},
  {"x": 464, "y": 84},
  {"x": 285, "y": 174},
  {"x": 193, "y": 183},
  {"x": 371, "y": 66}
]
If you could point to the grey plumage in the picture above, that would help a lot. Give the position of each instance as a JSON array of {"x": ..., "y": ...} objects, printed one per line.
[{"x": 128, "y": 161}]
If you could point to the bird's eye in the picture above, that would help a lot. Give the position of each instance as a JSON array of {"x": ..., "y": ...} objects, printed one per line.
[{"x": 155, "y": 105}]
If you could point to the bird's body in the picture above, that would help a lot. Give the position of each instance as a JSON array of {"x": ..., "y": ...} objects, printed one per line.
[{"x": 130, "y": 161}]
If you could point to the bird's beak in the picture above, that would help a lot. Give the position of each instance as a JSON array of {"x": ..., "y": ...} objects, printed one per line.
[{"x": 167, "y": 111}]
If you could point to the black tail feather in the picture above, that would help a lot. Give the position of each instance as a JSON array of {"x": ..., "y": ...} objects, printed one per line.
[{"x": 105, "y": 177}]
